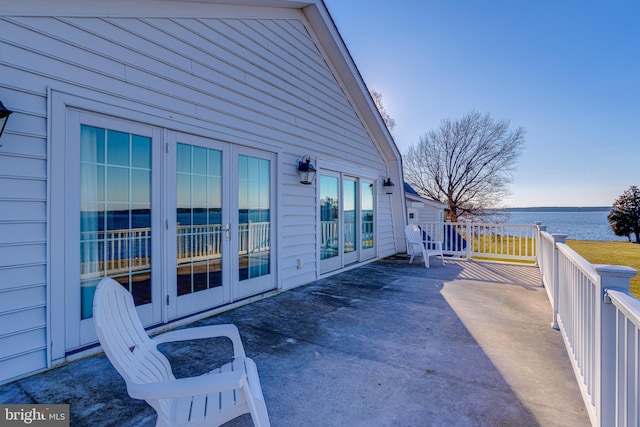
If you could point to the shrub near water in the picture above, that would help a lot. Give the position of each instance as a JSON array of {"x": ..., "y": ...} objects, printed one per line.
[{"x": 612, "y": 253}]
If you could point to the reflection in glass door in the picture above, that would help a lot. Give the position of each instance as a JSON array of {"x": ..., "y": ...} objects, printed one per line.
[
  {"x": 254, "y": 217},
  {"x": 367, "y": 215},
  {"x": 111, "y": 220},
  {"x": 115, "y": 213},
  {"x": 349, "y": 215},
  {"x": 347, "y": 220},
  {"x": 199, "y": 219},
  {"x": 223, "y": 206},
  {"x": 330, "y": 222},
  {"x": 200, "y": 236},
  {"x": 254, "y": 243}
]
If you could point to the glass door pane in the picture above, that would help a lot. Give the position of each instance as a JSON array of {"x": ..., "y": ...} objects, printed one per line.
[
  {"x": 198, "y": 206},
  {"x": 254, "y": 217},
  {"x": 199, "y": 230},
  {"x": 329, "y": 205},
  {"x": 252, "y": 227},
  {"x": 330, "y": 242},
  {"x": 349, "y": 215},
  {"x": 115, "y": 213},
  {"x": 367, "y": 215}
]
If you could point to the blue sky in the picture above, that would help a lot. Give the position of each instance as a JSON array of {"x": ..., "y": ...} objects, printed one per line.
[{"x": 566, "y": 70}]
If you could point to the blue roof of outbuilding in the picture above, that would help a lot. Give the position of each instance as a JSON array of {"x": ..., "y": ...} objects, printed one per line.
[{"x": 409, "y": 189}]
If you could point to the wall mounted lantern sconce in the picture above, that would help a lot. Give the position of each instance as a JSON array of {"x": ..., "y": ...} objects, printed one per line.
[
  {"x": 388, "y": 186},
  {"x": 4, "y": 115},
  {"x": 306, "y": 170}
]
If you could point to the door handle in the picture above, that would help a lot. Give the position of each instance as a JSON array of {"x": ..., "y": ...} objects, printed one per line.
[{"x": 227, "y": 232}]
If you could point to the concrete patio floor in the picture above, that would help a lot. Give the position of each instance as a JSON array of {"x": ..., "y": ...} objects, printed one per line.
[{"x": 385, "y": 344}]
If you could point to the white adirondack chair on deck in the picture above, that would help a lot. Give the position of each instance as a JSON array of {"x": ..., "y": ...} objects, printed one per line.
[
  {"x": 211, "y": 399},
  {"x": 417, "y": 245}
]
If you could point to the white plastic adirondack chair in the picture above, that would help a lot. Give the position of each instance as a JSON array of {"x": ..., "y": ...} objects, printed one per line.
[
  {"x": 211, "y": 399},
  {"x": 418, "y": 246}
]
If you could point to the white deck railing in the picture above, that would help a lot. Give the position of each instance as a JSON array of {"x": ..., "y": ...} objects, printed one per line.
[
  {"x": 600, "y": 324},
  {"x": 507, "y": 241},
  {"x": 591, "y": 306}
]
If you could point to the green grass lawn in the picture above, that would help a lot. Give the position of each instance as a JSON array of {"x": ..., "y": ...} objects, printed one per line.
[{"x": 612, "y": 253}]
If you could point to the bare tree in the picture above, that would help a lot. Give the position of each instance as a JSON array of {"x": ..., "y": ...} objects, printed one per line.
[
  {"x": 377, "y": 100},
  {"x": 465, "y": 163}
]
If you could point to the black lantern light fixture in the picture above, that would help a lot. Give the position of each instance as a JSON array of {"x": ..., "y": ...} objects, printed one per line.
[
  {"x": 306, "y": 170},
  {"x": 388, "y": 186},
  {"x": 4, "y": 115}
]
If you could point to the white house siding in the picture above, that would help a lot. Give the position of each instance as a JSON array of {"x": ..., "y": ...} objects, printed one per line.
[
  {"x": 23, "y": 195},
  {"x": 421, "y": 210},
  {"x": 257, "y": 80},
  {"x": 429, "y": 213}
]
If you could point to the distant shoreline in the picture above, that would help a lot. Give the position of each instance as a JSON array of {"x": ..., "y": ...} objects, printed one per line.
[{"x": 559, "y": 209}]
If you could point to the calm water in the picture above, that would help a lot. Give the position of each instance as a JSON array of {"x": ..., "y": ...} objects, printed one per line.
[{"x": 579, "y": 225}]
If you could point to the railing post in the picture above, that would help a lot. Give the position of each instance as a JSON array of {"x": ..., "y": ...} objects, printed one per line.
[
  {"x": 469, "y": 240},
  {"x": 540, "y": 229},
  {"x": 557, "y": 238},
  {"x": 540, "y": 251},
  {"x": 609, "y": 277}
]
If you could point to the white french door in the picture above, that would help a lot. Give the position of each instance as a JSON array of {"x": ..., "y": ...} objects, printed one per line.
[
  {"x": 198, "y": 216},
  {"x": 367, "y": 211},
  {"x": 347, "y": 220},
  {"x": 220, "y": 202},
  {"x": 350, "y": 207},
  {"x": 112, "y": 225},
  {"x": 253, "y": 222},
  {"x": 330, "y": 222},
  {"x": 185, "y": 223}
]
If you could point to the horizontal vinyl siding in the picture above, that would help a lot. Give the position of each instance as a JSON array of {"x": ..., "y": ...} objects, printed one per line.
[
  {"x": 213, "y": 71},
  {"x": 262, "y": 82},
  {"x": 427, "y": 214},
  {"x": 23, "y": 195},
  {"x": 298, "y": 228},
  {"x": 23, "y": 364},
  {"x": 23, "y": 347},
  {"x": 386, "y": 237}
]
